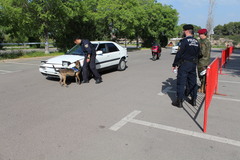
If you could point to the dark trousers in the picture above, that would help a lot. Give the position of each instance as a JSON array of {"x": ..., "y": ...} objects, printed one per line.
[
  {"x": 92, "y": 66},
  {"x": 187, "y": 79}
]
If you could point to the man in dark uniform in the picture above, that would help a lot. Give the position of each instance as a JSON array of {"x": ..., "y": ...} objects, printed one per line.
[
  {"x": 186, "y": 62},
  {"x": 89, "y": 61}
]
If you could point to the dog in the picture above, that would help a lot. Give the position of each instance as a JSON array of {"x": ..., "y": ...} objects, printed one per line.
[{"x": 73, "y": 72}]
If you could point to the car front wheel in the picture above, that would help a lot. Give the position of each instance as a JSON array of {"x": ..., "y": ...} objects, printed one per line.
[{"x": 122, "y": 65}]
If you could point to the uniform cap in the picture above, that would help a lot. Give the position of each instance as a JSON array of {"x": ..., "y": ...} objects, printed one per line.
[
  {"x": 188, "y": 27},
  {"x": 202, "y": 31}
]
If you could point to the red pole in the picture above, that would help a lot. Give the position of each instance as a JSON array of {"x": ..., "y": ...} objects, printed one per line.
[
  {"x": 223, "y": 60},
  {"x": 206, "y": 101}
]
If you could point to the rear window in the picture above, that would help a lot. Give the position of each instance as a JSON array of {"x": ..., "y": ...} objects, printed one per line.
[{"x": 112, "y": 47}]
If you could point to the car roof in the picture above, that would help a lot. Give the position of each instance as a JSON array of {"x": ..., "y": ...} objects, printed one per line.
[{"x": 102, "y": 42}]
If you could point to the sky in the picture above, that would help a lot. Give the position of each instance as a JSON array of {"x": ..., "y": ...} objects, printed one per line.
[{"x": 196, "y": 11}]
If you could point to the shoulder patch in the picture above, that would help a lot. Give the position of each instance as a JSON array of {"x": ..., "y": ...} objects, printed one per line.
[{"x": 86, "y": 45}]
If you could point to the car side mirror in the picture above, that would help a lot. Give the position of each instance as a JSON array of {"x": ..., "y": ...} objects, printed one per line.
[{"x": 99, "y": 52}]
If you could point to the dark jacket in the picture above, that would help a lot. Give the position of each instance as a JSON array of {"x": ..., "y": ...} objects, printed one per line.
[
  {"x": 188, "y": 51},
  {"x": 87, "y": 47}
]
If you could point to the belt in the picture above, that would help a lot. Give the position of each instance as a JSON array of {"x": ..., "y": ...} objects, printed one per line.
[{"x": 192, "y": 61}]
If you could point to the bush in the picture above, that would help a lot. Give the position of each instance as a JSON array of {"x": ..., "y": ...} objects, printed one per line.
[
  {"x": 20, "y": 54},
  {"x": 11, "y": 55}
]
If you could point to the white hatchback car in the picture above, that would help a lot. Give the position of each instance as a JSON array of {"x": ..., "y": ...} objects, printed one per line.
[{"x": 109, "y": 54}]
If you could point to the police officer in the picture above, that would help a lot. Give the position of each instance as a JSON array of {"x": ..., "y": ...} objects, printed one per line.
[
  {"x": 89, "y": 61},
  {"x": 205, "y": 48},
  {"x": 186, "y": 62}
]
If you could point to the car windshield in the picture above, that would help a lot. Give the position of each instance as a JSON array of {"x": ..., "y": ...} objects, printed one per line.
[{"x": 77, "y": 50}]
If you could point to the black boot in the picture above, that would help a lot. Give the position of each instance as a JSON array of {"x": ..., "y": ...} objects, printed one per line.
[
  {"x": 193, "y": 102},
  {"x": 178, "y": 103},
  {"x": 98, "y": 80}
]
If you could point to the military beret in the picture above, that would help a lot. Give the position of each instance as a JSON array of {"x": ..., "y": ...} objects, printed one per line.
[
  {"x": 188, "y": 27},
  {"x": 202, "y": 31}
]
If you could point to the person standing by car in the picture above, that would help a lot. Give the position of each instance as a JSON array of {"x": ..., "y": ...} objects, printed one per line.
[
  {"x": 89, "y": 61},
  {"x": 203, "y": 62},
  {"x": 186, "y": 62}
]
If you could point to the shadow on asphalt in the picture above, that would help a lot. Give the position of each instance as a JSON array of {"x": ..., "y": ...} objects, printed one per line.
[
  {"x": 192, "y": 111},
  {"x": 70, "y": 79},
  {"x": 232, "y": 66},
  {"x": 170, "y": 82}
]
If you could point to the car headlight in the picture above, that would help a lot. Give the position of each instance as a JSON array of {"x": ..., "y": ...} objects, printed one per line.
[
  {"x": 65, "y": 63},
  {"x": 43, "y": 62}
]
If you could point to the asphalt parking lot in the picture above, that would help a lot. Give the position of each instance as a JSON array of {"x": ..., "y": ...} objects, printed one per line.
[{"x": 127, "y": 117}]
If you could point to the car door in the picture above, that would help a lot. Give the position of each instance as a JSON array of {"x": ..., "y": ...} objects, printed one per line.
[
  {"x": 109, "y": 57},
  {"x": 101, "y": 58},
  {"x": 113, "y": 54}
]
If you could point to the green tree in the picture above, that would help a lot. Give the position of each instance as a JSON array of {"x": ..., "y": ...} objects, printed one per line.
[
  {"x": 14, "y": 19},
  {"x": 218, "y": 30},
  {"x": 136, "y": 18},
  {"x": 50, "y": 17},
  {"x": 229, "y": 31},
  {"x": 92, "y": 19},
  {"x": 232, "y": 28},
  {"x": 160, "y": 23},
  {"x": 36, "y": 19},
  {"x": 116, "y": 18}
]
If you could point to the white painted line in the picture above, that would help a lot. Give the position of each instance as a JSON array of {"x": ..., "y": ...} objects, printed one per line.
[
  {"x": 23, "y": 63},
  {"x": 129, "y": 118},
  {"x": 187, "y": 132},
  {"x": 124, "y": 121},
  {"x": 6, "y": 72},
  {"x": 229, "y": 82}
]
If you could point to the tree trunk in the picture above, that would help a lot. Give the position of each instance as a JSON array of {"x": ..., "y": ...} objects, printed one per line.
[
  {"x": 125, "y": 42},
  {"x": 46, "y": 43},
  {"x": 137, "y": 42}
]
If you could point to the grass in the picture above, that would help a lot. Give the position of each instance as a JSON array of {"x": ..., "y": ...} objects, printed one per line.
[
  {"x": 16, "y": 55},
  {"x": 41, "y": 54},
  {"x": 27, "y": 55}
]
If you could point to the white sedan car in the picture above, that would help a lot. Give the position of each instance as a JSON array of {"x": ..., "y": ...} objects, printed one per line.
[
  {"x": 109, "y": 54},
  {"x": 176, "y": 48}
]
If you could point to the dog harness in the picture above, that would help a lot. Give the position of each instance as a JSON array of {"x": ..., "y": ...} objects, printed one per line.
[{"x": 75, "y": 69}]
